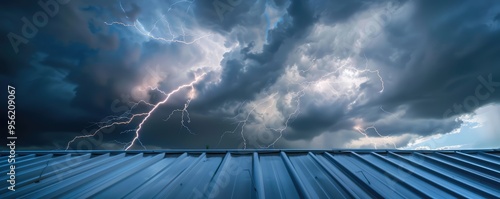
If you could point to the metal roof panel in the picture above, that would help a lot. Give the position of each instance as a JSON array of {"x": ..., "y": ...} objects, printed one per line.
[{"x": 255, "y": 174}]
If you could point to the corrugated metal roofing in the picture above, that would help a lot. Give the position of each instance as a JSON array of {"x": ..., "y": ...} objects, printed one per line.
[{"x": 255, "y": 174}]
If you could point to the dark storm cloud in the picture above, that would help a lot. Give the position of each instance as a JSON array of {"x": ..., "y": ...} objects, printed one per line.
[
  {"x": 431, "y": 55},
  {"x": 338, "y": 11},
  {"x": 315, "y": 121},
  {"x": 280, "y": 3},
  {"x": 243, "y": 79},
  {"x": 239, "y": 75},
  {"x": 11, "y": 15},
  {"x": 497, "y": 17},
  {"x": 224, "y": 15},
  {"x": 441, "y": 63},
  {"x": 430, "y": 81},
  {"x": 65, "y": 75},
  {"x": 444, "y": 59}
]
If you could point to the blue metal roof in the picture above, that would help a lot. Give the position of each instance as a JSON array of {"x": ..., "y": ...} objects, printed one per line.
[{"x": 254, "y": 174}]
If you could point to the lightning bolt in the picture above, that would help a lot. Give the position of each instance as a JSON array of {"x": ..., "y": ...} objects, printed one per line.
[
  {"x": 305, "y": 86},
  {"x": 129, "y": 116},
  {"x": 141, "y": 29},
  {"x": 242, "y": 123},
  {"x": 364, "y": 132},
  {"x": 114, "y": 123},
  {"x": 296, "y": 111},
  {"x": 112, "y": 120},
  {"x": 385, "y": 111},
  {"x": 127, "y": 143},
  {"x": 373, "y": 71},
  {"x": 148, "y": 114},
  {"x": 184, "y": 112}
]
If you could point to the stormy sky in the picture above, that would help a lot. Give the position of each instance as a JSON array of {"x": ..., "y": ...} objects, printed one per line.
[{"x": 253, "y": 74}]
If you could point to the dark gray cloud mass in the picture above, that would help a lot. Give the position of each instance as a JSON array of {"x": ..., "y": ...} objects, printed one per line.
[{"x": 276, "y": 73}]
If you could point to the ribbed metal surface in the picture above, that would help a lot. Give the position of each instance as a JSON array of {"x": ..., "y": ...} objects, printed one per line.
[{"x": 255, "y": 174}]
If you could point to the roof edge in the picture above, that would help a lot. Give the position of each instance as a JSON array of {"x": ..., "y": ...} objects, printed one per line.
[{"x": 244, "y": 151}]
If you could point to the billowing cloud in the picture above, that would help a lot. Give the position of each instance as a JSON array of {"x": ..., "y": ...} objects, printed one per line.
[{"x": 282, "y": 73}]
